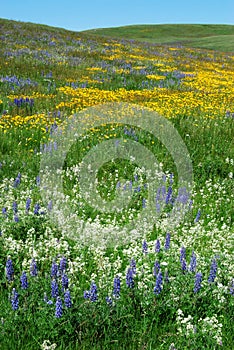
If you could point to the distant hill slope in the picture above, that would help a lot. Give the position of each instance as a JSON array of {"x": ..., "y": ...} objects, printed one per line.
[
  {"x": 205, "y": 36},
  {"x": 210, "y": 36}
]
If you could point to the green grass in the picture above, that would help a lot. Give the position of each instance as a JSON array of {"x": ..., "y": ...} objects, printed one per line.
[{"x": 210, "y": 36}]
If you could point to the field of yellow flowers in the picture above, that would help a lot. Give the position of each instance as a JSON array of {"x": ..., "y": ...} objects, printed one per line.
[{"x": 164, "y": 289}]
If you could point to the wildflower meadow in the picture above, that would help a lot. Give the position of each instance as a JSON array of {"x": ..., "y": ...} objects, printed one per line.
[{"x": 116, "y": 192}]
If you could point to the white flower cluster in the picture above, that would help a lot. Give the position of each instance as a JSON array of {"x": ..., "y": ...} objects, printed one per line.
[
  {"x": 210, "y": 327},
  {"x": 46, "y": 345},
  {"x": 185, "y": 325}
]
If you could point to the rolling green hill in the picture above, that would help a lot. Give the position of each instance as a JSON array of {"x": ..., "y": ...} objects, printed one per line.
[
  {"x": 210, "y": 36},
  {"x": 205, "y": 36}
]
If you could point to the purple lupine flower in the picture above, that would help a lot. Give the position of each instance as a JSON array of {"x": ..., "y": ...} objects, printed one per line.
[
  {"x": 86, "y": 294},
  {"x": 168, "y": 196},
  {"x": 197, "y": 283},
  {"x": 15, "y": 207},
  {"x": 28, "y": 203},
  {"x": 183, "y": 259},
  {"x": 158, "y": 284},
  {"x": 24, "y": 280},
  {"x": 143, "y": 203},
  {"x": 145, "y": 247},
  {"x": 36, "y": 209},
  {"x": 54, "y": 289},
  {"x": 16, "y": 218},
  {"x": 54, "y": 270},
  {"x": 156, "y": 268},
  {"x": 157, "y": 246},
  {"x": 16, "y": 181},
  {"x": 9, "y": 270},
  {"x": 63, "y": 264},
  {"x": 93, "y": 292},
  {"x": 58, "y": 308},
  {"x": 213, "y": 271},
  {"x": 133, "y": 266},
  {"x": 109, "y": 301},
  {"x": 4, "y": 212},
  {"x": 116, "y": 287},
  {"x": 193, "y": 262},
  {"x": 129, "y": 278},
  {"x": 198, "y": 216},
  {"x": 167, "y": 241},
  {"x": 67, "y": 299},
  {"x": 65, "y": 281},
  {"x": 183, "y": 265},
  {"x": 182, "y": 254},
  {"x": 14, "y": 300},
  {"x": 33, "y": 268}
]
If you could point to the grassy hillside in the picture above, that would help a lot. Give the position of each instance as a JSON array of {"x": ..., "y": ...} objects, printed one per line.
[
  {"x": 204, "y": 36},
  {"x": 140, "y": 255},
  {"x": 210, "y": 36}
]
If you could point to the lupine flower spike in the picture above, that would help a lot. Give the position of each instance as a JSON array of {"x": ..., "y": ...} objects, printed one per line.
[
  {"x": 158, "y": 284},
  {"x": 14, "y": 300},
  {"x": 197, "y": 283},
  {"x": 58, "y": 308},
  {"x": 33, "y": 268},
  {"x": 116, "y": 287},
  {"x": 145, "y": 247},
  {"x": 9, "y": 269},
  {"x": 157, "y": 246},
  {"x": 67, "y": 299},
  {"x": 213, "y": 271},
  {"x": 24, "y": 280},
  {"x": 129, "y": 278},
  {"x": 167, "y": 242}
]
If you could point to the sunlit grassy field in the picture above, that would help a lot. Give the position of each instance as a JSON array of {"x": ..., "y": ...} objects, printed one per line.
[
  {"x": 165, "y": 289},
  {"x": 217, "y": 37}
]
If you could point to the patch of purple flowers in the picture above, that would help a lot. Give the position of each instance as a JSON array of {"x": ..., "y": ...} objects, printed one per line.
[
  {"x": 158, "y": 284},
  {"x": 24, "y": 280},
  {"x": 14, "y": 300},
  {"x": 213, "y": 271},
  {"x": 197, "y": 283},
  {"x": 9, "y": 270}
]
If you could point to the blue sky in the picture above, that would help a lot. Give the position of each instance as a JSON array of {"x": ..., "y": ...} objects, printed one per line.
[{"x": 87, "y": 14}]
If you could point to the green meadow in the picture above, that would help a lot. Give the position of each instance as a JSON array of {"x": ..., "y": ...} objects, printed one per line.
[
  {"x": 167, "y": 281},
  {"x": 206, "y": 36}
]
